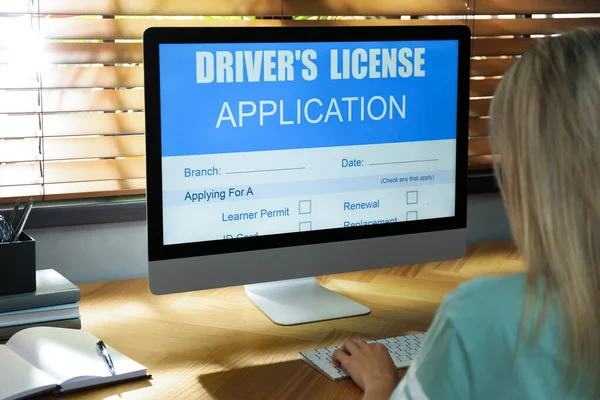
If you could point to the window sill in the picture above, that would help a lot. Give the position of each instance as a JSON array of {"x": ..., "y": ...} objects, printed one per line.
[
  {"x": 85, "y": 212},
  {"x": 129, "y": 209}
]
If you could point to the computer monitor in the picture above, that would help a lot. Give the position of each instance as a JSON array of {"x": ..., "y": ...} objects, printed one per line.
[{"x": 275, "y": 155}]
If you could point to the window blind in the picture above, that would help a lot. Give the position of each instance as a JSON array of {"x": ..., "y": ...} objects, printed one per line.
[
  {"x": 71, "y": 78},
  {"x": 71, "y": 91}
]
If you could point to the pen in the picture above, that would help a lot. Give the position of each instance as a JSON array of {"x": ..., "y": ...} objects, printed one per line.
[
  {"x": 13, "y": 217},
  {"x": 22, "y": 221},
  {"x": 103, "y": 352}
]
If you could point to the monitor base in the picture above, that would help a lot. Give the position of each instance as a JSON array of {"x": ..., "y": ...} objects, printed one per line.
[{"x": 299, "y": 301}]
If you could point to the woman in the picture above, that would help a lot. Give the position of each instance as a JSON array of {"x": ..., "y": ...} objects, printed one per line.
[{"x": 534, "y": 335}]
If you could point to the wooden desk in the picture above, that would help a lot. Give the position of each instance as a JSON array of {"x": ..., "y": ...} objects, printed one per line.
[{"x": 216, "y": 345}]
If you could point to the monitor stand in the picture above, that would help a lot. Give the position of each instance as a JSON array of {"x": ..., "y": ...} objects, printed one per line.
[{"x": 298, "y": 301}]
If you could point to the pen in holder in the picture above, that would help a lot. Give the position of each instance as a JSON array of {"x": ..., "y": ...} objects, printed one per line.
[{"x": 17, "y": 266}]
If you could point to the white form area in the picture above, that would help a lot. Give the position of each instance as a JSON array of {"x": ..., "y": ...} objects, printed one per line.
[{"x": 329, "y": 187}]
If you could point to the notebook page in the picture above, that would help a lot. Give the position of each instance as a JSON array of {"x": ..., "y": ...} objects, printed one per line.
[
  {"x": 19, "y": 379},
  {"x": 125, "y": 368},
  {"x": 70, "y": 355}
]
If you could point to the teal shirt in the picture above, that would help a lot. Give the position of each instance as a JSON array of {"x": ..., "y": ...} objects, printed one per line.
[{"x": 470, "y": 349}]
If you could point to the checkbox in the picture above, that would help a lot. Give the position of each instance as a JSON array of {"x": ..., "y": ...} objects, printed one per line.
[
  {"x": 412, "y": 215},
  {"x": 305, "y": 226},
  {"x": 305, "y": 207},
  {"x": 412, "y": 197}
]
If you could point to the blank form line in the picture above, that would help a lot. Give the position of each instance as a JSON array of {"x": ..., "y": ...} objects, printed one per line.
[
  {"x": 403, "y": 162},
  {"x": 265, "y": 170}
]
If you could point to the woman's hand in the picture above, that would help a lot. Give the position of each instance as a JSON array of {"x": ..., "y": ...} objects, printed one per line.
[{"x": 369, "y": 365}]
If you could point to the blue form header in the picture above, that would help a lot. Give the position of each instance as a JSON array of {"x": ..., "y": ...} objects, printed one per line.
[{"x": 228, "y": 98}]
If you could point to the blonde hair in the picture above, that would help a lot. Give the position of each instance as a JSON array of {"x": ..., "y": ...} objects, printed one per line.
[{"x": 545, "y": 126}]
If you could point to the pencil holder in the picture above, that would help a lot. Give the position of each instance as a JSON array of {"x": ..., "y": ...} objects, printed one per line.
[{"x": 17, "y": 266}]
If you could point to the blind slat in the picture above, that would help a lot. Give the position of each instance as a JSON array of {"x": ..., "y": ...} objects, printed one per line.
[
  {"x": 92, "y": 100},
  {"x": 436, "y": 7},
  {"x": 478, "y": 127},
  {"x": 484, "y": 87},
  {"x": 56, "y": 100},
  {"x": 94, "y": 147},
  {"x": 480, "y": 107},
  {"x": 13, "y": 77},
  {"x": 459, "y": 20},
  {"x": 93, "y": 124},
  {"x": 97, "y": 170},
  {"x": 26, "y": 150},
  {"x": 500, "y": 47},
  {"x": 18, "y": 126},
  {"x": 480, "y": 162},
  {"x": 20, "y": 150},
  {"x": 64, "y": 172},
  {"x": 28, "y": 126},
  {"x": 10, "y": 194},
  {"x": 300, "y": 7},
  {"x": 480, "y": 27},
  {"x": 529, "y": 26},
  {"x": 97, "y": 77},
  {"x": 129, "y": 29},
  {"x": 80, "y": 190},
  {"x": 491, "y": 66},
  {"x": 147, "y": 7},
  {"x": 87, "y": 53},
  {"x": 375, "y": 7},
  {"x": 479, "y": 146},
  {"x": 20, "y": 174},
  {"x": 65, "y": 191},
  {"x": 536, "y": 6},
  {"x": 19, "y": 101}
]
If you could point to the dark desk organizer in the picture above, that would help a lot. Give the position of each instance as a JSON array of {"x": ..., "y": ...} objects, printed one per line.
[{"x": 17, "y": 266}]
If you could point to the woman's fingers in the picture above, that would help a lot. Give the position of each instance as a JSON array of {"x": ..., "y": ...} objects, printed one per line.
[
  {"x": 350, "y": 346},
  {"x": 339, "y": 358},
  {"x": 360, "y": 342}
]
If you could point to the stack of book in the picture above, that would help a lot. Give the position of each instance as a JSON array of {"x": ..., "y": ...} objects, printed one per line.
[{"x": 54, "y": 304}]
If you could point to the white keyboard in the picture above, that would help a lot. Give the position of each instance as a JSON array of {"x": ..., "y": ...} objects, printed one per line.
[{"x": 403, "y": 350}]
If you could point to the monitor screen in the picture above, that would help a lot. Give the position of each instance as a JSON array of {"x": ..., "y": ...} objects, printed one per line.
[{"x": 262, "y": 139}]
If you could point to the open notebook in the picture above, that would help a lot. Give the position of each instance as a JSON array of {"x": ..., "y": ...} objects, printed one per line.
[{"x": 44, "y": 359}]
